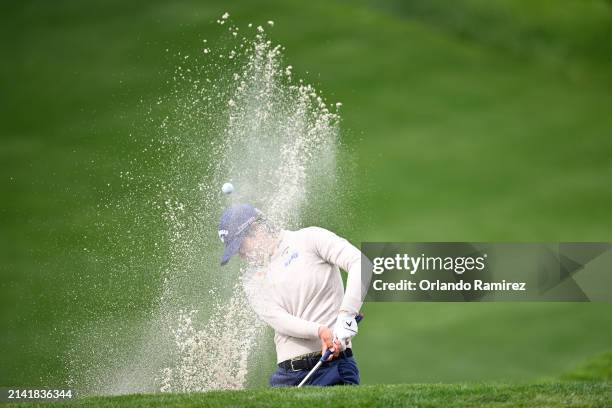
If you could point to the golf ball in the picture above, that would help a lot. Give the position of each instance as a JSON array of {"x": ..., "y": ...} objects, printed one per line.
[{"x": 227, "y": 188}]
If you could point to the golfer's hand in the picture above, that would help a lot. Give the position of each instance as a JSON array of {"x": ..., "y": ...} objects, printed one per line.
[
  {"x": 327, "y": 342},
  {"x": 345, "y": 328}
]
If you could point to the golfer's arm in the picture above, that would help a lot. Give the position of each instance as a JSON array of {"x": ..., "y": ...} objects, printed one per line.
[
  {"x": 283, "y": 322},
  {"x": 338, "y": 251},
  {"x": 292, "y": 326}
]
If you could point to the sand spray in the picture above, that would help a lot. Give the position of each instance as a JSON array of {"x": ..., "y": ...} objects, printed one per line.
[{"x": 234, "y": 113}]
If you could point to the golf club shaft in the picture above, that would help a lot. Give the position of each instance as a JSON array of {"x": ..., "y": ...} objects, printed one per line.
[{"x": 314, "y": 369}]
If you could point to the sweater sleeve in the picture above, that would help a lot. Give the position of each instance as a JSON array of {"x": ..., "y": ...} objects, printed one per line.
[
  {"x": 338, "y": 251},
  {"x": 279, "y": 319}
]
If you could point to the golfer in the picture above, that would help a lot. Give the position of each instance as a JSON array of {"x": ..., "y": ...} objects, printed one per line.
[{"x": 294, "y": 285}]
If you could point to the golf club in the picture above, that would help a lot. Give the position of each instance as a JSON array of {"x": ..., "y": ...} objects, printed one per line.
[{"x": 324, "y": 358}]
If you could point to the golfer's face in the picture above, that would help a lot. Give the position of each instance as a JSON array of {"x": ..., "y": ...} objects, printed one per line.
[
  {"x": 247, "y": 249},
  {"x": 250, "y": 250}
]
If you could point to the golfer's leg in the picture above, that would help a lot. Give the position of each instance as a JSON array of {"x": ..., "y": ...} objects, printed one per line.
[
  {"x": 348, "y": 371},
  {"x": 286, "y": 378},
  {"x": 326, "y": 375},
  {"x": 339, "y": 372}
]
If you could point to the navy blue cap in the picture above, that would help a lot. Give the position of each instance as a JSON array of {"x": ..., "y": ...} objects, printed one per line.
[{"x": 233, "y": 226}]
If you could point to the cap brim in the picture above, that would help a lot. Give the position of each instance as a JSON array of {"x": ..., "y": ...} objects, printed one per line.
[{"x": 231, "y": 248}]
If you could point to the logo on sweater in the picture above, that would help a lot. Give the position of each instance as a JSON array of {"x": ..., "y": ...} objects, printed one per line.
[{"x": 291, "y": 258}]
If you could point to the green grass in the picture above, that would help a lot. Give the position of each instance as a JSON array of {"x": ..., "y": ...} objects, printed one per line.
[
  {"x": 586, "y": 386},
  {"x": 487, "y": 121},
  {"x": 471, "y": 342},
  {"x": 595, "y": 368},
  {"x": 567, "y": 394}
]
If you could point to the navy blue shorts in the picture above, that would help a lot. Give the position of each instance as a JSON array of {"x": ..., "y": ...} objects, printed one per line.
[{"x": 341, "y": 371}]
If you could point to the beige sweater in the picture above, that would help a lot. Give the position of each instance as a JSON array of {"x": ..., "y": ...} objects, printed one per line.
[{"x": 301, "y": 288}]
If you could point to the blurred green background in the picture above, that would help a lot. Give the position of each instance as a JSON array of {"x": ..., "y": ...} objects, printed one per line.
[{"x": 469, "y": 120}]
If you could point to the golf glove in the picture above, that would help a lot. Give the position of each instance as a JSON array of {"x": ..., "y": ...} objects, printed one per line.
[{"x": 345, "y": 328}]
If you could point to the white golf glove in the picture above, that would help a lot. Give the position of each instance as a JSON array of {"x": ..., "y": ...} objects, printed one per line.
[{"x": 345, "y": 328}]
